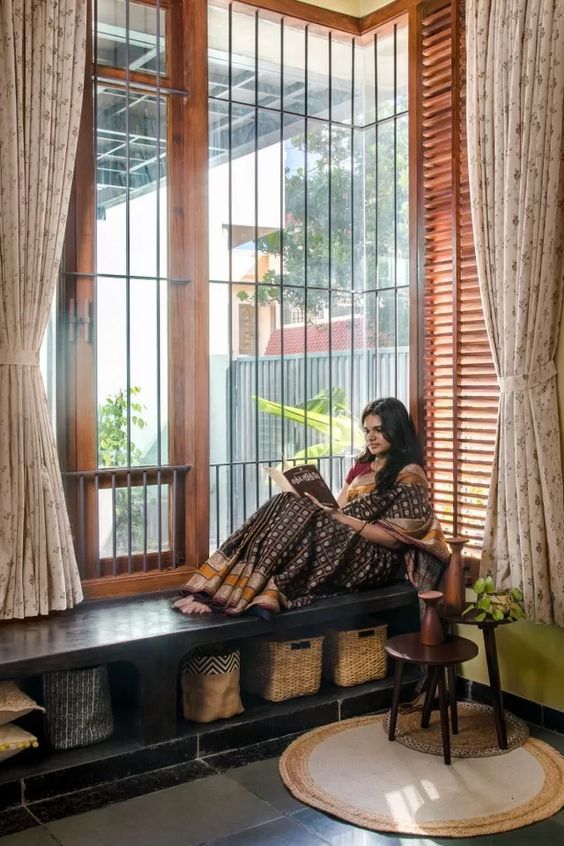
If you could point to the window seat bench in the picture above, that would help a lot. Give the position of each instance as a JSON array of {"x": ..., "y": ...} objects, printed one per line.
[{"x": 142, "y": 641}]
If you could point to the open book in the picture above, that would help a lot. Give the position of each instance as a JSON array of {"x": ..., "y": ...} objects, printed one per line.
[{"x": 302, "y": 479}]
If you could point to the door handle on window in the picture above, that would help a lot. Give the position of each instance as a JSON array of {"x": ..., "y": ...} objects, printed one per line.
[{"x": 84, "y": 320}]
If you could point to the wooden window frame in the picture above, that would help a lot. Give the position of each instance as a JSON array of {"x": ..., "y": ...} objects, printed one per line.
[{"x": 188, "y": 304}]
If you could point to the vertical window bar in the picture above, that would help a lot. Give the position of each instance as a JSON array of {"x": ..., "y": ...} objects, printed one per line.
[
  {"x": 114, "y": 525},
  {"x": 245, "y": 489},
  {"x": 145, "y": 563},
  {"x": 376, "y": 388},
  {"x": 217, "y": 512},
  {"x": 127, "y": 241},
  {"x": 257, "y": 393},
  {"x": 82, "y": 509},
  {"x": 95, "y": 240},
  {"x": 230, "y": 253},
  {"x": 330, "y": 251},
  {"x": 395, "y": 172},
  {"x": 172, "y": 507},
  {"x": 158, "y": 244},
  {"x": 282, "y": 226},
  {"x": 306, "y": 182},
  {"x": 353, "y": 281},
  {"x": 159, "y": 519},
  {"x": 129, "y": 562},
  {"x": 97, "y": 524}
]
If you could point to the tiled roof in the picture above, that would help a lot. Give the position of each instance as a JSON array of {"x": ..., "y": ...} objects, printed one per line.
[{"x": 317, "y": 337}]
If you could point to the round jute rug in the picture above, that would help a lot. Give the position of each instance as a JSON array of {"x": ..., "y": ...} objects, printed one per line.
[
  {"x": 352, "y": 771},
  {"x": 476, "y": 736}
]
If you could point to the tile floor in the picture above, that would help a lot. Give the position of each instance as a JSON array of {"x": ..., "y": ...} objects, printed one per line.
[{"x": 244, "y": 806}]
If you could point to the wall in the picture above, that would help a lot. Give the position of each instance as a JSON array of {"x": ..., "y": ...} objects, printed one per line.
[{"x": 530, "y": 656}]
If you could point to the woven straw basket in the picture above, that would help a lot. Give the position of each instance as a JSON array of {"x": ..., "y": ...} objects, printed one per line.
[
  {"x": 277, "y": 668},
  {"x": 355, "y": 655}
]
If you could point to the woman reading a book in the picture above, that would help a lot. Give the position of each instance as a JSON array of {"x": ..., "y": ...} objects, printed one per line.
[{"x": 293, "y": 550}]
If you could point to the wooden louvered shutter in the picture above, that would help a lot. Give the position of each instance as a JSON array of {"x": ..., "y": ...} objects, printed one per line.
[{"x": 461, "y": 393}]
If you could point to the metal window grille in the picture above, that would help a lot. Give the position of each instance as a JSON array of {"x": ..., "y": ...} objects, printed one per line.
[{"x": 293, "y": 107}]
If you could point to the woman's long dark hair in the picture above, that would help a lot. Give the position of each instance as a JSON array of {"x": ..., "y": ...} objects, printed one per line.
[{"x": 398, "y": 429}]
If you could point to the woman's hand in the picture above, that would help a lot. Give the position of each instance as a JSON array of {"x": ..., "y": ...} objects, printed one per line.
[{"x": 330, "y": 509}]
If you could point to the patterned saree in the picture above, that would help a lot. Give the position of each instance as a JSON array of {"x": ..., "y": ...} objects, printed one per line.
[{"x": 290, "y": 553}]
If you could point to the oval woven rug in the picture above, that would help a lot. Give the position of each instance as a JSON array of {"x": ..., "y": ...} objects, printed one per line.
[
  {"x": 352, "y": 771},
  {"x": 476, "y": 736}
]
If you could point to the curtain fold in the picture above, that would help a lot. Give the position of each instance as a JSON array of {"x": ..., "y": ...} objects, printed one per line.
[
  {"x": 515, "y": 110},
  {"x": 42, "y": 49}
]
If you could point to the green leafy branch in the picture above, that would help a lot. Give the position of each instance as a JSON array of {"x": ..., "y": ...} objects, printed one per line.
[
  {"x": 112, "y": 428},
  {"x": 339, "y": 428},
  {"x": 493, "y": 605}
]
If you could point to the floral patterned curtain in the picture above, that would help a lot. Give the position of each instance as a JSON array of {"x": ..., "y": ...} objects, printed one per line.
[
  {"x": 42, "y": 48},
  {"x": 515, "y": 100}
]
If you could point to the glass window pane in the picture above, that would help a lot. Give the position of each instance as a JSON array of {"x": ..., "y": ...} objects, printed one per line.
[
  {"x": 402, "y": 202},
  {"x": 131, "y": 164},
  {"x": 148, "y": 185},
  {"x": 359, "y": 203},
  {"x": 386, "y": 342},
  {"x": 269, "y": 197},
  {"x": 218, "y": 51},
  {"x": 243, "y": 56},
  {"x": 317, "y": 217},
  {"x": 364, "y": 82},
  {"x": 317, "y": 73},
  {"x": 385, "y": 74},
  {"x": 402, "y": 352},
  {"x": 341, "y": 207},
  {"x": 385, "y": 233},
  {"x": 401, "y": 69},
  {"x": 294, "y": 201},
  {"x": 111, "y": 179},
  {"x": 243, "y": 202},
  {"x": 145, "y": 50},
  {"x": 341, "y": 80},
  {"x": 111, "y": 360},
  {"x": 294, "y": 67},
  {"x": 269, "y": 45},
  {"x": 218, "y": 193}
]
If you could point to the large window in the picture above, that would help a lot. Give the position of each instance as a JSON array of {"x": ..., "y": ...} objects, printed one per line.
[
  {"x": 253, "y": 197},
  {"x": 308, "y": 245},
  {"x": 126, "y": 292}
]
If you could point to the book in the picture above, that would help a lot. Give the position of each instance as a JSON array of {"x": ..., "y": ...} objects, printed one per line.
[{"x": 302, "y": 479}]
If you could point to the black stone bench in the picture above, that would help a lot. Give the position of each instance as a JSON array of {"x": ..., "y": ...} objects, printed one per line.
[{"x": 142, "y": 640}]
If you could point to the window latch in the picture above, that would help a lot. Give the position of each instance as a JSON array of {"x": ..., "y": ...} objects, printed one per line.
[{"x": 84, "y": 320}]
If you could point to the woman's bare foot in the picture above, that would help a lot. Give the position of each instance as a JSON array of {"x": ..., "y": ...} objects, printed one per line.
[{"x": 189, "y": 605}]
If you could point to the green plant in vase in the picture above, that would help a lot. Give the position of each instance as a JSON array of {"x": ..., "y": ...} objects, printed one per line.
[{"x": 495, "y": 605}]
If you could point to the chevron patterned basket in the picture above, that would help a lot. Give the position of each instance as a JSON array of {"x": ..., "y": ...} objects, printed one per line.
[
  {"x": 354, "y": 655},
  {"x": 209, "y": 679},
  {"x": 211, "y": 661},
  {"x": 277, "y": 668}
]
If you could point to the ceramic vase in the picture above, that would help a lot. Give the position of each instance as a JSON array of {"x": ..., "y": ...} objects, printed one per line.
[
  {"x": 454, "y": 587},
  {"x": 431, "y": 626}
]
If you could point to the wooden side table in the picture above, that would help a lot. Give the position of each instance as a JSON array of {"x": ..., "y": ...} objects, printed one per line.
[
  {"x": 488, "y": 627},
  {"x": 408, "y": 649}
]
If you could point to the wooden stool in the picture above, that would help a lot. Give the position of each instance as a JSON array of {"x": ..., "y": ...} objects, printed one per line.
[{"x": 408, "y": 649}]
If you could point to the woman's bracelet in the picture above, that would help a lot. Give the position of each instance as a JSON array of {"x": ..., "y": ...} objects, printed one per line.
[{"x": 359, "y": 531}]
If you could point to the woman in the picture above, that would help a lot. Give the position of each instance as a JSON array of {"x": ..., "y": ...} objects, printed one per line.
[{"x": 293, "y": 551}]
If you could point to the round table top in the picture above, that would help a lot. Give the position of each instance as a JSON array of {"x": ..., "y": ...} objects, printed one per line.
[
  {"x": 408, "y": 647},
  {"x": 469, "y": 620}
]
